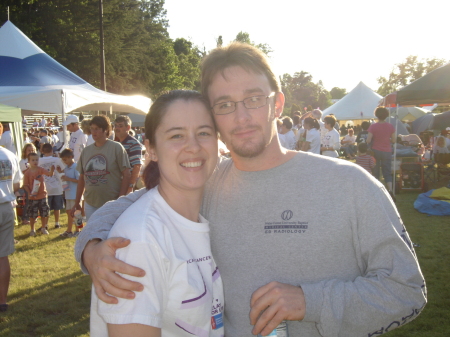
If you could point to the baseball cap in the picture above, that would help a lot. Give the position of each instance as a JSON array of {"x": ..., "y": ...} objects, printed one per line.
[{"x": 71, "y": 119}]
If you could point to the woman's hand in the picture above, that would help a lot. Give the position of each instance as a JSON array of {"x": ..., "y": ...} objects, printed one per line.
[{"x": 99, "y": 258}]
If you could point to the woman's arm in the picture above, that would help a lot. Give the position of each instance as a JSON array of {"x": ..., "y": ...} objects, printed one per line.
[
  {"x": 306, "y": 146},
  {"x": 135, "y": 330},
  {"x": 369, "y": 137}
]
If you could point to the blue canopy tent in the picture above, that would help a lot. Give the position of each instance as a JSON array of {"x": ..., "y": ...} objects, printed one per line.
[{"x": 35, "y": 82}]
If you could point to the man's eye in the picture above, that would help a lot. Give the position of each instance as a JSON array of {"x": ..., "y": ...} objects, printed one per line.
[
  {"x": 204, "y": 133},
  {"x": 176, "y": 136},
  {"x": 225, "y": 105},
  {"x": 255, "y": 98}
]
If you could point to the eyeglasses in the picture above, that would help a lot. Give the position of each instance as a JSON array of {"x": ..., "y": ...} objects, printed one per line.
[{"x": 253, "y": 102}]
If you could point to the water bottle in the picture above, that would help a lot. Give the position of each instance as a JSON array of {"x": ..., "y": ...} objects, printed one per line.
[
  {"x": 65, "y": 183},
  {"x": 280, "y": 331},
  {"x": 79, "y": 219}
]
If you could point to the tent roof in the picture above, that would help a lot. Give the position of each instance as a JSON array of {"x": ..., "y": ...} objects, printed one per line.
[
  {"x": 408, "y": 113},
  {"x": 359, "y": 103},
  {"x": 32, "y": 80},
  {"x": 432, "y": 88},
  {"x": 9, "y": 114}
]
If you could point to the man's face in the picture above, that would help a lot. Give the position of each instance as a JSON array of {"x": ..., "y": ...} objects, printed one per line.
[
  {"x": 98, "y": 134},
  {"x": 121, "y": 130},
  {"x": 247, "y": 132}
]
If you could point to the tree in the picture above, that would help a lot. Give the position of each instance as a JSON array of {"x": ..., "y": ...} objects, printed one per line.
[
  {"x": 245, "y": 38},
  {"x": 338, "y": 93},
  {"x": 301, "y": 91},
  {"x": 404, "y": 73}
]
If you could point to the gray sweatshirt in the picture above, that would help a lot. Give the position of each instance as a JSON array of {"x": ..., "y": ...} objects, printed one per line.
[{"x": 321, "y": 223}]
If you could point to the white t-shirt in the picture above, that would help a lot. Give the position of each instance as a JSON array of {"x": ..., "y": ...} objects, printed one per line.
[
  {"x": 323, "y": 130},
  {"x": 352, "y": 140},
  {"x": 77, "y": 143},
  {"x": 53, "y": 184},
  {"x": 7, "y": 142},
  {"x": 313, "y": 137},
  {"x": 183, "y": 292},
  {"x": 90, "y": 140},
  {"x": 9, "y": 174},
  {"x": 287, "y": 140},
  {"x": 332, "y": 140},
  {"x": 23, "y": 164}
]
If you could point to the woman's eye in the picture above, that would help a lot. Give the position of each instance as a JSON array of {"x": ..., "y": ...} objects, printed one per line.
[
  {"x": 204, "y": 133},
  {"x": 175, "y": 137}
]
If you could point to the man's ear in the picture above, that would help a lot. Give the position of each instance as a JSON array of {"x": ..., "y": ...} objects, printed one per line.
[
  {"x": 279, "y": 104},
  {"x": 150, "y": 150}
]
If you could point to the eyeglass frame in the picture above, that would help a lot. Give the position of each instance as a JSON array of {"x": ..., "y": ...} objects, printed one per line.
[{"x": 272, "y": 94}]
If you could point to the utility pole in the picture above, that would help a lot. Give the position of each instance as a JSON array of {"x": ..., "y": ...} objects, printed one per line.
[{"x": 102, "y": 48}]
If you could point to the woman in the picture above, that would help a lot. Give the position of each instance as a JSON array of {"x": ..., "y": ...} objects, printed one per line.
[
  {"x": 381, "y": 135},
  {"x": 87, "y": 131},
  {"x": 312, "y": 141},
  {"x": 331, "y": 140},
  {"x": 23, "y": 164},
  {"x": 169, "y": 238}
]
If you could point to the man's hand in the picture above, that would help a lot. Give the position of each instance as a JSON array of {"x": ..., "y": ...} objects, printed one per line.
[
  {"x": 99, "y": 259},
  {"x": 75, "y": 208},
  {"x": 273, "y": 303}
]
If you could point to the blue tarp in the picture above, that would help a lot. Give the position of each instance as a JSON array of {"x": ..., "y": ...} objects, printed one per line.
[{"x": 427, "y": 205}]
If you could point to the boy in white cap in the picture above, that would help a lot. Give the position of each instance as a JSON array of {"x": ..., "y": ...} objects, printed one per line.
[{"x": 78, "y": 139}]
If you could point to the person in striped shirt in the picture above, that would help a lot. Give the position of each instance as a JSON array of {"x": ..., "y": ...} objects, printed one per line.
[
  {"x": 122, "y": 126},
  {"x": 363, "y": 159}
]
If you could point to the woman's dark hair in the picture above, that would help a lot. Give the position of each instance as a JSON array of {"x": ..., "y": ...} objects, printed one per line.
[
  {"x": 312, "y": 122},
  {"x": 381, "y": 113},
  {"x": 102, "y": 122},
  {"x": 153, "y": 120},
  {"x": 365, "y": 125},
  {"x": 330, "y": 120},
  {"x": 296, "y": 119}
]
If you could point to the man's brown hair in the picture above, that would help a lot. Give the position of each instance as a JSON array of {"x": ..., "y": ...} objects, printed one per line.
[
  {"x": 102, "y": 122},
  {"x": 236, "y": 54}
]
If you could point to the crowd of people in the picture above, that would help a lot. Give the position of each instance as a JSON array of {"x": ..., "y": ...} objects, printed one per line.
[{"x": 251, "y": 244}]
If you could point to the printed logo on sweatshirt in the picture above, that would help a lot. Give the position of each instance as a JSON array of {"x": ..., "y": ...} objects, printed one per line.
[
  {"x": 96, "y": 169},
  {"x": 286, "y": 225}
]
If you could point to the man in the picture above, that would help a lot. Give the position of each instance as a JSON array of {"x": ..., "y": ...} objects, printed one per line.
[
  {"x": 349, "y": 144},
  {"x": 104, "y": 169},
  {"x": 77, "y": 138},
  {"x": 6, "y": 139},
  {"x": 286, "y": 135},
  {"x": 10, "y": 176},
  {"x": 45, "y": 139},
  {"x": 122, "y": 126},
  {"x": 43, "y": 122},
  {"x": 317, "y": 114},
  {"x": 340, "y": 270}
]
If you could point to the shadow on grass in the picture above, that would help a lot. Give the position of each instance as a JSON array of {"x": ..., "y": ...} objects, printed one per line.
[{"x": 59, "y": 307}]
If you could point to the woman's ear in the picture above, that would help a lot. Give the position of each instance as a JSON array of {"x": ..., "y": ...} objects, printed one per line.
[{"x": 150, "y": 150}]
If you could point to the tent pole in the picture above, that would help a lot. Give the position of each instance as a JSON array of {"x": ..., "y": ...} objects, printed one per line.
[
  {"x": 395, "y": 148},
  {"x": 63, "y": 118}
]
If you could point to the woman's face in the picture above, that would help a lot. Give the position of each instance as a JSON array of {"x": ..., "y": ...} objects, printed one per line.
[
  {"x": 29, "y": 149},
  {"x": 186, "y": 146}
]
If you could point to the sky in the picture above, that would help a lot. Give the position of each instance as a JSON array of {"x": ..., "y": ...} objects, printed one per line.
[{"x": 338, "y": 42}]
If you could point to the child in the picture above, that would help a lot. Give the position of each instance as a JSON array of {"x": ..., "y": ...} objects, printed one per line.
[
  {"x": 27, "y": 149},
  {"x": 53, "y": 184},
  {"x": 365, "y": 160},
  {"x": 71, "y": 176},
  {"x": 33, "y": 183}
]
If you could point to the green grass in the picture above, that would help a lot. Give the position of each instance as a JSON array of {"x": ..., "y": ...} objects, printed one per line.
[{"x": 49, "y": 296}]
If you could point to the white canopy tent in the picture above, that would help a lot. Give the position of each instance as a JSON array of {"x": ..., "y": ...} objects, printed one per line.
[
  {"x": 358, "y": 104},
  {"x": 35, "y": 82}
]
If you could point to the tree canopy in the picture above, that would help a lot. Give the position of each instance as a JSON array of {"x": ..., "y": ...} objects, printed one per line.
[
  {"x": 404, "y": 73},
  {"x": 338, "y": 93},
  {"x": 300, "y": 91},
  {"x": 140, "y": 57}
]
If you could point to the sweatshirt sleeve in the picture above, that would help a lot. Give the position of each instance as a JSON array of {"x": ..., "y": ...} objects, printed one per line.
[
  {"x": 391, "y": 290},
  {"x": 101, "y": 222}
]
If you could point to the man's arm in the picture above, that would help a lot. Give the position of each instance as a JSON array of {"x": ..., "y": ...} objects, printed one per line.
[
  {"x": 125, "y": 181},
  {"x": 80, "y": 191},
  {"x": 134, "y": 176},
  {"x": 97, "y": 257},
  {"x": 389, "y": 292}
]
